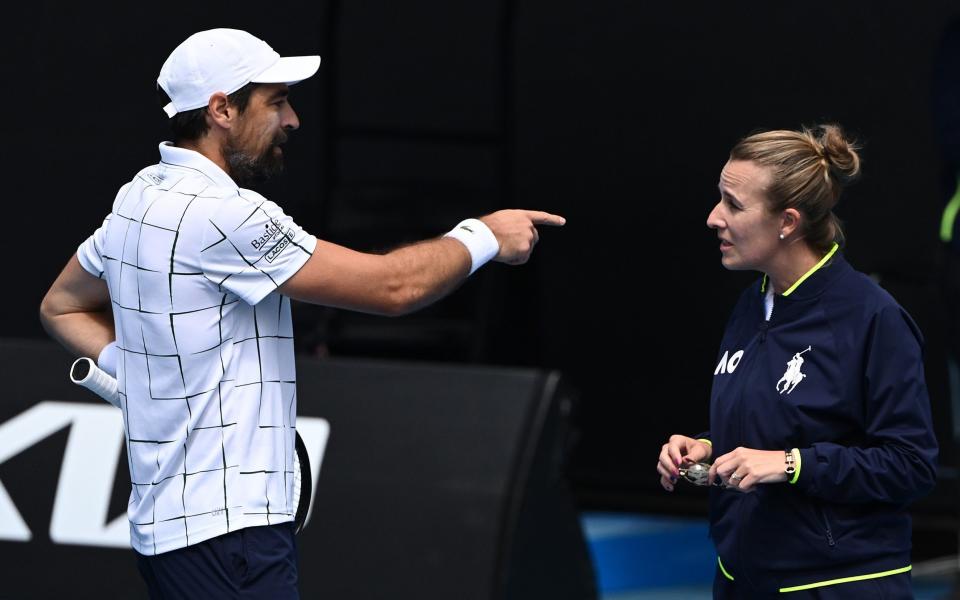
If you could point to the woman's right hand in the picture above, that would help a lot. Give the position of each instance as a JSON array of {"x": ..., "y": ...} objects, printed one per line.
[{"x": 678, "y": 450}]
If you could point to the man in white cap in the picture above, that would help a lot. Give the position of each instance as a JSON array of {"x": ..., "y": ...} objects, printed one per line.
[{"x": 183, "y": 293}]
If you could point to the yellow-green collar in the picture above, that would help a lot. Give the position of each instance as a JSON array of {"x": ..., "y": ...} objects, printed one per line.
[{"x": 816, "y": 267}]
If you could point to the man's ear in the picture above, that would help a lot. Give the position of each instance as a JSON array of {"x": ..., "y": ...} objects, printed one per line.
[{"x": 219, "y": 111}]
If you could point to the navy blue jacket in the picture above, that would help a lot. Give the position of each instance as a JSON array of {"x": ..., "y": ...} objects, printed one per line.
[{"x": 855, "y": 404}]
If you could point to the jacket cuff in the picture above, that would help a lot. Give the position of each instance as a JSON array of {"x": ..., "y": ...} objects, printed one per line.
[{"x": 805, "y": 456}]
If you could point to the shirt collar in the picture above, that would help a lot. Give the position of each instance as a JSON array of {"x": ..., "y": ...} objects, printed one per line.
[
  {"x": 816, "y": 279},
  {"x": 189, "y": 159}
]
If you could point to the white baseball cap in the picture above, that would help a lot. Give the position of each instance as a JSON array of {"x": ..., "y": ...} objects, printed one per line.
[{"x": 225, "y": 60}]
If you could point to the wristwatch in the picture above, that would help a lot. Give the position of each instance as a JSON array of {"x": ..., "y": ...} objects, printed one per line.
[{"x": 791, "y": 465}]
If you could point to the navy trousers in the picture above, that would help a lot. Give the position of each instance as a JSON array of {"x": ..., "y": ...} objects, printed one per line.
[{"x": 248, "y": 564}]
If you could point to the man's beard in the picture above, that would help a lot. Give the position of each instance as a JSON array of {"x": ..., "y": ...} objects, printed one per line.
[{"x": 246, "y": 170}]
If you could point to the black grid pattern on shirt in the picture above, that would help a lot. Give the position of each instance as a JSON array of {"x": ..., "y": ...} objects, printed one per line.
[{"x": 132, "y": 221}]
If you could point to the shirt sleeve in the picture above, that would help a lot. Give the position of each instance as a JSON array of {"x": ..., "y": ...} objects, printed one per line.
[
  {"x": 896, "y": 460},
  {"x": 251, "y": 247},
  {"x": 90, "y": 252}
]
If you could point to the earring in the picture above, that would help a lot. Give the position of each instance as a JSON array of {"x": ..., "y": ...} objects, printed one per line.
[{"x": 781, "y": 236}]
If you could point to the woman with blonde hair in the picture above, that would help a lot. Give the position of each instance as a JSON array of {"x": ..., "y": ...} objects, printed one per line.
[{"x": 820, "y": 428}]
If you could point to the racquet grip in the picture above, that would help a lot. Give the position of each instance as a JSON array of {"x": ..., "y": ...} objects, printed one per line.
[{"x": 86, "y": 373}]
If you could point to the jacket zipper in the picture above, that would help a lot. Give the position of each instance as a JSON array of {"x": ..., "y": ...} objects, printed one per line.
[
  {"x": 765, "y": 323},
  {"x": 763, "y": 331},
  {"x": 762, "y": 334},
  {"x": 826, "y": 524}
]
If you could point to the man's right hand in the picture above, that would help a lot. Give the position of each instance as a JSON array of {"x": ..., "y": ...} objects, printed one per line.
[
  {"x": 516, "y": 231},
  {"x": 411, "y": 276}
]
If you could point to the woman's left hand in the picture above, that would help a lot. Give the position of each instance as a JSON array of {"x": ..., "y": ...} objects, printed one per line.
[{"x": 744, "y": 468}]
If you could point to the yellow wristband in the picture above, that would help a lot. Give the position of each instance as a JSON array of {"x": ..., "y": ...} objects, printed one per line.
[{"x": 797, "y": 459}]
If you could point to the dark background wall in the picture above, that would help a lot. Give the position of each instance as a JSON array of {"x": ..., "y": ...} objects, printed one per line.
[{"x": 617, "y": 115}]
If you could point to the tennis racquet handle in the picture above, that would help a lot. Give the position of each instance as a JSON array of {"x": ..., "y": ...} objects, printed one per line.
[{"x": 85, "y": 372}]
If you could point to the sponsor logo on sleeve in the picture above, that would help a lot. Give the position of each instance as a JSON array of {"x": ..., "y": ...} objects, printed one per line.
[
  {"x": 270, "y": 232},
  {"x": 276, "y": 250}
]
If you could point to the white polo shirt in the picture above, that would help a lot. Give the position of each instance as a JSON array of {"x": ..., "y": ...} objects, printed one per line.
[{"x": 206, "y": 368}]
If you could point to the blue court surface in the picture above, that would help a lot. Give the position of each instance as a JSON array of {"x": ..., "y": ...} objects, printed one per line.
[{"x": 652, "y": 557}]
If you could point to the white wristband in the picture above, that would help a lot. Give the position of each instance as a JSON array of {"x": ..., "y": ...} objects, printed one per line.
[
  {"x": 479, "y": 240},
  {"x": 108, "y": 359}
]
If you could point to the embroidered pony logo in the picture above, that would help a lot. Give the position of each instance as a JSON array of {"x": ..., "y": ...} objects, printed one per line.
[{"x": 792, "y": 376}]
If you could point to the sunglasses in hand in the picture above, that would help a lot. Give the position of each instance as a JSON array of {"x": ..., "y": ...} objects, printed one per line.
[{"x": 698, "y": 474}]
